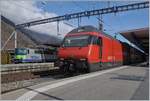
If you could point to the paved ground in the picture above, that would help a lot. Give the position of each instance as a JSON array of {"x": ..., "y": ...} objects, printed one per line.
[{"x": 123, "y": 83}]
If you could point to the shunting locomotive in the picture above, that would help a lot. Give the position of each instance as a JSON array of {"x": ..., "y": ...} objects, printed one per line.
[{"x": 32, "y": 55}]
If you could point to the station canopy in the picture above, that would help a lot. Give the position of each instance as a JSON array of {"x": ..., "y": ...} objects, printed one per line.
[{"x": 139, "y": 37}]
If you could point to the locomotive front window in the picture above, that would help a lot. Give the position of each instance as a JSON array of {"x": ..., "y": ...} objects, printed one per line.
[
  {"x": 77, "y": 41},
  {"x": 21, "y": 51}
]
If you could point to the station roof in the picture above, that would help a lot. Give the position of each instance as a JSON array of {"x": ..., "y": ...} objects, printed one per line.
[{"x": 139, "y": 37}]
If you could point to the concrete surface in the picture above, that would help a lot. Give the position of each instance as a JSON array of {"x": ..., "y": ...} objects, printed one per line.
[{"x": 127, "y": 83}]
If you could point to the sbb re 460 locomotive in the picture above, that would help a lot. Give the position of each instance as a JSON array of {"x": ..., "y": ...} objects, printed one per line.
[{"x": 87, "y": 48}]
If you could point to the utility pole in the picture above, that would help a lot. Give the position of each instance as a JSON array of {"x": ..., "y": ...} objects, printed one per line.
[
  {"x": 14, "y": 33},
  {"x": 15, "y": 39},
  {"x": 57, "y": 27},
  {"x": 79, "y": 21},
  {"x": 100, "y": 23}
]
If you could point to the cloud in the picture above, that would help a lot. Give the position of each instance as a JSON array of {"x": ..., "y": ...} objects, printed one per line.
[{"x": 25, "y": 11}]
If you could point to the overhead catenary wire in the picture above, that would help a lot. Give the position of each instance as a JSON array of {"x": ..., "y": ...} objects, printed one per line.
[
  {"x": 99, "y": 16},
  {"x": 64, "y": 22},
  {"x": 79, "y": 18},
  {"x": 122, "y": 8}
]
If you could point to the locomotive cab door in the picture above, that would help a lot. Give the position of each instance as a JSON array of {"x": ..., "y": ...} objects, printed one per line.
[
  {"x": 98, "y": 54},
  {"x": 98, "y": 41},
  {"x": 100, "y": 47}
]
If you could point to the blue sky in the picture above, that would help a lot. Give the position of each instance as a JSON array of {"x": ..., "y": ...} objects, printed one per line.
[
  {"x": 112, "y": 22},
  {"x": 30, "y": 10}
]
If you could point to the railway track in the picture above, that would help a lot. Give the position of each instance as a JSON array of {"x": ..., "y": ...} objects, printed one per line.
[
  {"x": 12, "y": 79},
  {"x": 15, "y": 76},
  {"x": 17, "y": 72},
  {"x": 13, "y": 68}
]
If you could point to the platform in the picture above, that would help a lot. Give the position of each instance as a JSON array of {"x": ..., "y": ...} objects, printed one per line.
[{"x": 121, "y": 83}]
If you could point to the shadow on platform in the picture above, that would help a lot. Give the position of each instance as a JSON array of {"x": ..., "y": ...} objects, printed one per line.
[
  {"x": 129, "y": 77},
  {"x": 42, "y": 93}
]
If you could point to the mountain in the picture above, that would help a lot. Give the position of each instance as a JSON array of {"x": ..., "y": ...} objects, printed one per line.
[
  {"x": 41, "y": 38},
  {"x": 25, "y": 37}
]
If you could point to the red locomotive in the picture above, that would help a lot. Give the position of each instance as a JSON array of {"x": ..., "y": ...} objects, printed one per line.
[{"x": 86, "y": 48}]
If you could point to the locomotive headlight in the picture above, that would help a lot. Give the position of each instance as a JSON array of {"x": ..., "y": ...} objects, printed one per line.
[
  {"x": 61, "y": 63},
  {"x": 61, "y": 58},
  {"x": 82, "y": 59}
]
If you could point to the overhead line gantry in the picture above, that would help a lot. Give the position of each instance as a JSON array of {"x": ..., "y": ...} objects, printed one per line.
[{"x": 114, "y": 9}]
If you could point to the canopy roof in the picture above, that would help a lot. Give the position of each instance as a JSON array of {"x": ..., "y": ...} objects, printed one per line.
[{"x": 139, "y": 37}]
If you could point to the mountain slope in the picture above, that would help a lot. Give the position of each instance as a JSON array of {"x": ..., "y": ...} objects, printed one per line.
[{"x": 25, "y": 37}]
